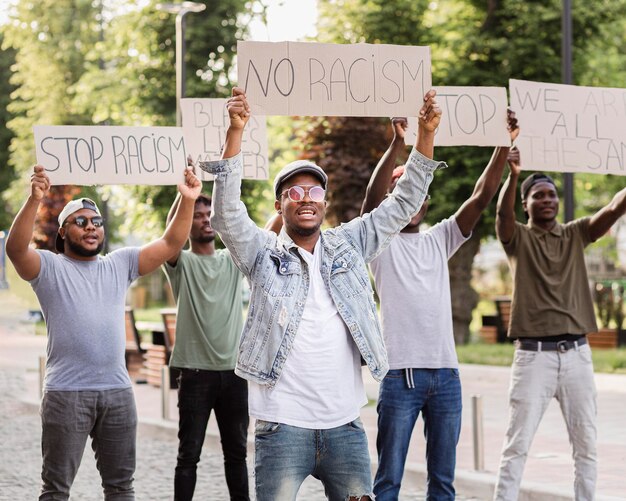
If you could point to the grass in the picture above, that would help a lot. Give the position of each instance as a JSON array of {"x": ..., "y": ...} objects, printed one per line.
[
  {"x": 21, "y": 288},
  {"x": 152, "y": 314},
  {"x": 606, "y": 361}
]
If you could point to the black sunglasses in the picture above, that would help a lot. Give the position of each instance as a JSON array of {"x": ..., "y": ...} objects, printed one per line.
[{"x": 81, "y": 221}]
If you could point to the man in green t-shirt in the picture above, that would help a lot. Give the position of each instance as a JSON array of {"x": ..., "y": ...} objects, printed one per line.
[
  {"x": 551, "y": 314},
  {"x": 207, "y": 287}
]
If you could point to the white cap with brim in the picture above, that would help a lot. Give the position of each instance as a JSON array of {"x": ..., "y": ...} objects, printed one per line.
[
  {"x": 68, "y": 210},
  {"x": 298, "y": 167}
]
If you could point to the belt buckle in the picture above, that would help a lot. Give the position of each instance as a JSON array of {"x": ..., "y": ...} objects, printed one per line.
[{"x": 561, "y": 346}]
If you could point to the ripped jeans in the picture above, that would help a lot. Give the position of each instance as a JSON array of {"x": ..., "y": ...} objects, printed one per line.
[{"x": 286, "y": 455}]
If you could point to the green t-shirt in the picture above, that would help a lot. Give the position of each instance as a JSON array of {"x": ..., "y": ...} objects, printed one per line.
[
  {"x": 209, "y": 319},
  {"x": 551, "y": 294}
]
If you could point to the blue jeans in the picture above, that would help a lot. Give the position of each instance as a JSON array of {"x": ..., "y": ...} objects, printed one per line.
[
  {"x": 199, "y": 391},
  {"x": 286, "y": 455},
  {"x": 68, "y": 417},
  {"x": 404, "y": 393}
]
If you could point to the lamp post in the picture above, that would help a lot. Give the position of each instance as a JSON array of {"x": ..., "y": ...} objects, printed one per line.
[
  {"x": 566, "y": 74},
  {"x": 181, "y": 10},
  {"x": 3, "y": 274}
]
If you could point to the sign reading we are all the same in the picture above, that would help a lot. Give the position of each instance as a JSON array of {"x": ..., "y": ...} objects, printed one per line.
[
  {"x": 296, "y": 78},
  {"x": 569, "y": 128},
  {"x": 86, "y": 155},
  {"x": 205, "y": 122}
]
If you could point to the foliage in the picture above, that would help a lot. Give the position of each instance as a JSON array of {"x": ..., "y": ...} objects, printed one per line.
[
  {"x": 137, "y": 84},
  {"x": 473, "y": 43},
  {"x": 348, "y": 151},
  {"x": 82, "y": 62},
  {"x": 610, "y": 361},
  {"x": 51, "y": 39},
  {"x": 7, "y": 172}
]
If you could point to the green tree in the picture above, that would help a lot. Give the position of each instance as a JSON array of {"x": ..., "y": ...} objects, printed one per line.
[
  {"x": 7, "y": 172},
  {"x": 473, "y": 43},
  {"x": 80, "y": 62},
  {"x": 136, "y": 82},
  {"x": 51, "y": 39}
]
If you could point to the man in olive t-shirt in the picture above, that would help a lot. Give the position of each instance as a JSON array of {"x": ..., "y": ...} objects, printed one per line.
[
  {"x": 552, "y": 312},
  {"x": 207, "y": 286}
]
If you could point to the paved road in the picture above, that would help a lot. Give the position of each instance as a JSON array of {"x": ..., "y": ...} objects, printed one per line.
[{"x": 20, "y": 458}]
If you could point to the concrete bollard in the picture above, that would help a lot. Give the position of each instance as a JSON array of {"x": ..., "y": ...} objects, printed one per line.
[
  {"x": 165, "y": 392},
  {"x": 477, "y": 430},
  {"x": 42, "y": 375}
]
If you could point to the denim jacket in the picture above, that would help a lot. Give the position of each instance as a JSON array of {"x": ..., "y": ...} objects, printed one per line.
[{"x": 279, "y": 277}]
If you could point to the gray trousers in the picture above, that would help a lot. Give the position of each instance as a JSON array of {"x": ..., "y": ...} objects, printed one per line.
[
  {"x": 538, "y": 377},
  {"x": 68, "y": 417}
]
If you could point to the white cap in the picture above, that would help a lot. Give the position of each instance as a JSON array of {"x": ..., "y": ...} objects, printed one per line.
[{"x": 68, "y": 210}]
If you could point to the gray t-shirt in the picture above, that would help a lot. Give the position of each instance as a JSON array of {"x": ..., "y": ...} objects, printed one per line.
[
  {"x": 83, "y": 305},
  {"x": 413, "y": 284}
]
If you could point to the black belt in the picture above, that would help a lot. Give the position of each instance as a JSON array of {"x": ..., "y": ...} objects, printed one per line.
[{"x": 560, "y": 346}]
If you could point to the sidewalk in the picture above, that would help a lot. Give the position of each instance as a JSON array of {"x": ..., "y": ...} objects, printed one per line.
[{"x": 549, "y": 469}]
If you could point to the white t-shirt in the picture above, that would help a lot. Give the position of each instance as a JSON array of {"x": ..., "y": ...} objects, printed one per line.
[
  {"x": 321, "y": 385},
  {"x": 413, "y": 284}
]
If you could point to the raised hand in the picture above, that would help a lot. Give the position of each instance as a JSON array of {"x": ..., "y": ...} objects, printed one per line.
[
  {"x": 514, "y": 161},
  {"x": 39, "y": 183},
  {"x": 192, "y": 186},
  {"x": 430, "y": 114},
  {"x": 400, "y": 125},
  {"x": 512, "y": 125},
  {"x": 238, "y": 109}
]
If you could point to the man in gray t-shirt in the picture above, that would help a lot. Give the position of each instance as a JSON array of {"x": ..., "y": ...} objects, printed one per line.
[
  {"x": 413, "y": 284},
  {"x": 87, "y": 391}
]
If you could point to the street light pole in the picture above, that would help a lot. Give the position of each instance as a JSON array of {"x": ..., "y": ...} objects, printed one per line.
[
  {"x": 181, "y": 10},
  {"x": 566, "y": 74}
]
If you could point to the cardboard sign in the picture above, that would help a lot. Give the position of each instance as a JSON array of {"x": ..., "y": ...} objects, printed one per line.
[
  {"x": 295, "y": 78},
  {"x": 569, "y": 128},
  {"x": 470, "y": 116},
  {"x": 205, "y": 122},
  {"x": 85, "y": 155}
]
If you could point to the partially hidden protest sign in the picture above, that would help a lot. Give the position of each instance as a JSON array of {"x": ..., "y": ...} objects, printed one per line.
[
  {"x": 470, "y": 116},
  {"x": 85, "y": 155},
  {"x": 297, "y": 78},
  {"x": 569, "y": 128},
  {"x": 205, "y": 122}
]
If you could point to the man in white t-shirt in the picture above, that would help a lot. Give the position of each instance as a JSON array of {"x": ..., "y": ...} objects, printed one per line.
[
  {"x": 413, "y": 284},
  {"x": 311, "y": 319}
]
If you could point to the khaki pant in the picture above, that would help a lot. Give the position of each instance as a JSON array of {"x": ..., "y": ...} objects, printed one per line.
[{"x": 536, "y": 378}]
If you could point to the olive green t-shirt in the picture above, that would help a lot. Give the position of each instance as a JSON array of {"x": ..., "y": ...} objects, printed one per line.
[
  {"x": 551, "y": 294},
  {"x": 209, "y": 319}
]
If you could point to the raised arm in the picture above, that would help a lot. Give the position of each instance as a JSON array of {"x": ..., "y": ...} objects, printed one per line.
[
  {"x": 170, "y": 215},
  {"x": 606, "y": 217},
  {"x": 239, "y": 114},
  {"x": 155, "y": 253},
  {"x": 505, "y": 214},
  {"x": 25, "y": 259},
  {"x": 469, "y": 213},
  {"x": 381, "y": 177},
  {"x": 429, "y": 118},
  {"x": 229, "y": 216}
]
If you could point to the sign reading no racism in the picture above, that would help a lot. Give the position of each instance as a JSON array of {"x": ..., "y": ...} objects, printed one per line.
[
  {"x": 205, "y": 122},
  {"x": 84, "y": 155},
  {"x": 470, "y": 116},
  {"x": 295, "y": 78},
  {"x": 568, "y": 128}
]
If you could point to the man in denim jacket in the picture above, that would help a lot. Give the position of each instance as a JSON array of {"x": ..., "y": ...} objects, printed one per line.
[{"x": 312, "y": 316}]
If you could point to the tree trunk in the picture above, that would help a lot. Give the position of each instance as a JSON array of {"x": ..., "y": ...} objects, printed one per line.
[{"x": 464, "y": 298}]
